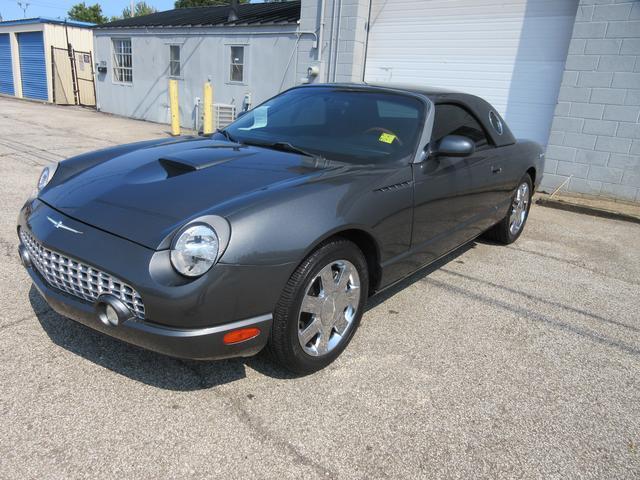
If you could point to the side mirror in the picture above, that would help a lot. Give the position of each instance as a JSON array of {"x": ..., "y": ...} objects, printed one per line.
[{"x": 454, "y": 146}]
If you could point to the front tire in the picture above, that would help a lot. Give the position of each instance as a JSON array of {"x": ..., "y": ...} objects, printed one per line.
[
  {"x": 320, "y": 307},
  {"x": 511, "y": 226}
]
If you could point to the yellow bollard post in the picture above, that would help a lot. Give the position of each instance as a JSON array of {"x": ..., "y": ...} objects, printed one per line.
[
  {"x": 175, "y": 112},
  {"x": 207, "y": 109}
]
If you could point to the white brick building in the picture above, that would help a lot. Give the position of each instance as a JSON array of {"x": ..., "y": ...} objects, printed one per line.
[{"x": 595, "y": 135}]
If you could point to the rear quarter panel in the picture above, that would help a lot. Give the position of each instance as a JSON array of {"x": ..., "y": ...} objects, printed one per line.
[{"x": 518, "y": 159}]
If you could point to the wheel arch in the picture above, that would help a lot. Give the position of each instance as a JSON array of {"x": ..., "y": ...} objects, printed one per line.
[
  {"x": 367, "y": 244},
  {"x": 532, "y": 173}
]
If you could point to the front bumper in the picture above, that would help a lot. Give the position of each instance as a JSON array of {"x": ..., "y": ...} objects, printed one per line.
[
  {"x": 187, "y": 320},
  {"x": 195, "y": 344}
]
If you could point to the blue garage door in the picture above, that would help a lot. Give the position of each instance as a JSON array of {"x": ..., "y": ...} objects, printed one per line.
[
  {"x": 32, "y": 65},
  {"x": 6, "y": 70}
]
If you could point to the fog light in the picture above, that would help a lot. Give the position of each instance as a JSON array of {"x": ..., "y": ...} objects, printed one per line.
[
  {"x": 111, "y": 311},
  {"x": 111, "y": 315},
  {"x": 24, "y": 256},
  {"x": 240, "y": 335}
]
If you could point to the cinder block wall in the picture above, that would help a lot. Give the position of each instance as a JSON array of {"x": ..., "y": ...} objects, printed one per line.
[
  {"x": 343, "y": 39},
  {"x": 595, "y": 135}
]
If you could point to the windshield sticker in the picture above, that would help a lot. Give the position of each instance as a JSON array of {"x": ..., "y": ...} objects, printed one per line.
[
  {"x": 259, "y": 118},
  {"x": 387, "y": 138}
]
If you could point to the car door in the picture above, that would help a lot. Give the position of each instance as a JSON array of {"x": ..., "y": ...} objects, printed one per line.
[
  {"x": 450, "y": 193},
  {"x": 486, "y": 168}
]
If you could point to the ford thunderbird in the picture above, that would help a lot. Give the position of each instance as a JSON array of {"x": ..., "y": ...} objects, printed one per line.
[{"x": 273, "y": 232}]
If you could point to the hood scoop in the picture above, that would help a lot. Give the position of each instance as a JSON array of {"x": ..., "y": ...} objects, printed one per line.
[{"x": 199, "y": 159}]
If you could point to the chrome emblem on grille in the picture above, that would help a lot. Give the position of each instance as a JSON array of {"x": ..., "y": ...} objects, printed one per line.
[{"x": 59, "y": 224}]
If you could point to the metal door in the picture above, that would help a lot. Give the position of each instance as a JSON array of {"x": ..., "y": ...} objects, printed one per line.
[
  {"x": 511, "y": 53},
  {"x": 6, "y": 69},
  {"x": 33, "y": 68}
]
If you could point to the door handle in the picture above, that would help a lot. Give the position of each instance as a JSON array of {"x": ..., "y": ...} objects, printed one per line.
[{"x": 496, "y": 169}]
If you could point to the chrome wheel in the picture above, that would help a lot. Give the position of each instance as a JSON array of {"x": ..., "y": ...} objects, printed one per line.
[
  {"x": 519, "y": 208},
  {"x": 329, "y": 307}
]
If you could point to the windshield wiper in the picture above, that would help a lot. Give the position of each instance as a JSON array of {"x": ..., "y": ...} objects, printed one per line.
[
  {"x": 287, "y": 147},
  {"x": 227, "y": 135}
]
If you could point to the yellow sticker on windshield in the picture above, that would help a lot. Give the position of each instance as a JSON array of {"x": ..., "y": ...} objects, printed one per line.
[{"x": 387, "y": 137}]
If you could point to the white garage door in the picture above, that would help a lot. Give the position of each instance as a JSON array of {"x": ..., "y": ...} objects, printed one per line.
[{"x": 510, "y": 52}]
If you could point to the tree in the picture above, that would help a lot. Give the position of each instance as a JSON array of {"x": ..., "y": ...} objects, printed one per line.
[
  {"x": 87, "y": 13},
  {"x": 141, "y": 8},
  {"x": 203, "y": 3}
]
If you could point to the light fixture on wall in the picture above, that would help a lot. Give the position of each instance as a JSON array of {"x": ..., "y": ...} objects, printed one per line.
[{"x": 313, "y": 71}]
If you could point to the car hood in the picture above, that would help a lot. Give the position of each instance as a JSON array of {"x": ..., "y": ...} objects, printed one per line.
[{"x": 145, "y": 194}]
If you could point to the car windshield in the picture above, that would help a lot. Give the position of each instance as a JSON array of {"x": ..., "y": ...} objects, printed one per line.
[{"x": 338, "y": 124}]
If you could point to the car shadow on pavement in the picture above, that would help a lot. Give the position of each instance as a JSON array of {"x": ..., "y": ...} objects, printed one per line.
[
  {"x": 142, "y": 365},
  {"x": 169, "y": 373},
  {"x": 418, "y": 275}
]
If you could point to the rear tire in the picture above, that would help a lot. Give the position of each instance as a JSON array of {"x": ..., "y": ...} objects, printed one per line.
[
  {"x": 511, "y": 226},
  {"x": 320, "y": 307}
]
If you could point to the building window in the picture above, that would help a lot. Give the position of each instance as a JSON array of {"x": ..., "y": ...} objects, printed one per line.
[
  {"x": 237, "y": 64},
  {"x": 174, "y": 60},
  {"x": 122, "y": 60}
]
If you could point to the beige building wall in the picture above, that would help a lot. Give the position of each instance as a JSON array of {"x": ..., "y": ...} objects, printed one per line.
[{"x": 54, "y": 35}]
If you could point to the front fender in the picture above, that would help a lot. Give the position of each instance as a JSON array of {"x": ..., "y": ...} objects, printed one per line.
[{"x": 285, "y": 226}]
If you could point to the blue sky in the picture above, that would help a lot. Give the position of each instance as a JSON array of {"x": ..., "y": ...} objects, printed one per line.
[{"x": 9, "y": 9}]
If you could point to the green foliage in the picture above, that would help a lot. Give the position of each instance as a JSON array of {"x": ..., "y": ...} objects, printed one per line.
[
  {"x": 141, "y": 8},
  {"x": 87, "y": 13},
  {"x": 203, "y": 3}
]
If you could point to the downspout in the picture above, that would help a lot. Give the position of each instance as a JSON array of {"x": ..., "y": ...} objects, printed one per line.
[
  {"x": 320, "y": 32},
  {"x": 366, "y": 41},
  {"x": 331, "y": 40},
  {"x": 337, "y": 45}
]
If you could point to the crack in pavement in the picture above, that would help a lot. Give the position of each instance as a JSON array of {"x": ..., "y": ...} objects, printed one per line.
[
  {"x": 23, "y": 319},
  {"x": 262, "y": 432}
]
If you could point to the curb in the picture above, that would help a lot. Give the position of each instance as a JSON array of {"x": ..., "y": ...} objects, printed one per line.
[{"x": 587, "y": 210}]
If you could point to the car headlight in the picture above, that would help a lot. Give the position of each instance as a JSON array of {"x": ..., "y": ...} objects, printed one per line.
[
  {"x": 195, "y": 250},
  {"x": 47, "y": 174}
]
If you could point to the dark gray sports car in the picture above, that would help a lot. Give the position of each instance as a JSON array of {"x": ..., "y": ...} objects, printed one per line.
[{"x": 274, "y": 231}]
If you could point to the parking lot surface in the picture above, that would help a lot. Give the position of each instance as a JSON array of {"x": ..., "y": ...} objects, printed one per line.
[{"x": 510, "y": 362}]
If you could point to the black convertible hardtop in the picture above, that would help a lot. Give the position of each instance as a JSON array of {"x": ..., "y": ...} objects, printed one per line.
[{"x": 481, "y": 109}]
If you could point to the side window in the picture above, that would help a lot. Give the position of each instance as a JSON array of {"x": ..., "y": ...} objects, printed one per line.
[
  {"x": 237, "y": 64},
  {"x": 174, "y": 60},
  {"x": 122, "y": 60},
  {"x": 455, "y": 120}
]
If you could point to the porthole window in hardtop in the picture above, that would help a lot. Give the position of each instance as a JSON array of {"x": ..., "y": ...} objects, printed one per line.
[{"x": 496, "y": 123}]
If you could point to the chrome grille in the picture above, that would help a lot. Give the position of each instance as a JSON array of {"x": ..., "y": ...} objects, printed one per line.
[{"x": 77, "y": 278}]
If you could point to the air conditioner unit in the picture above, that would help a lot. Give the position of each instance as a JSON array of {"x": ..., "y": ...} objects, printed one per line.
[{"x": 223, "y": 114}]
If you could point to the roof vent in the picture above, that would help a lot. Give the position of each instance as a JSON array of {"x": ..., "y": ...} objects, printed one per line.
[{"x": 233, "y": 11}]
